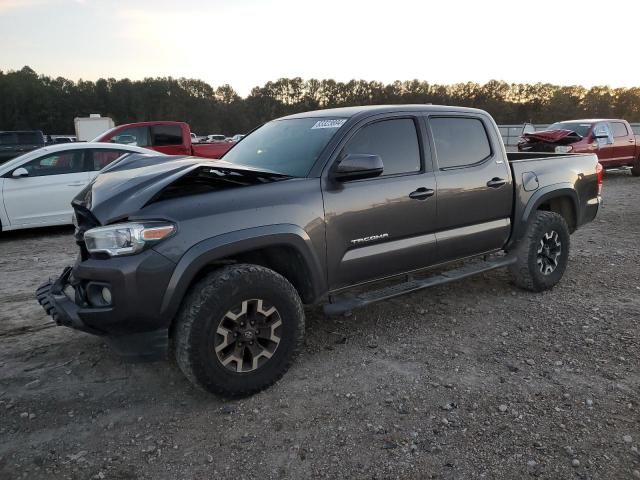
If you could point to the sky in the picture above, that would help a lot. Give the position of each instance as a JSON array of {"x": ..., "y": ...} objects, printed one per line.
[{"x": 246, "y": 43}]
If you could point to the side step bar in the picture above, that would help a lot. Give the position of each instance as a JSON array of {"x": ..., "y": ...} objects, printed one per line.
[{"x": 366, "y": 298}]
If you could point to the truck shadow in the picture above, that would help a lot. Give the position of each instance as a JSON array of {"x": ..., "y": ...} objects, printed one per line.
[{"x": 34, "y": 233}]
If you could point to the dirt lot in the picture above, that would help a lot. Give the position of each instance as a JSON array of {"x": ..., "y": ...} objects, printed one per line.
[{"x": 471, "y": 380}]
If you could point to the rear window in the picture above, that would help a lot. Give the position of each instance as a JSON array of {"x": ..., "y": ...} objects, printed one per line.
[
  {"x": 459, "y": 141},
  {"x": 619, "y": 129},
  {"x": 101, "y": 158},
  {"x": 166, "y": 135}
]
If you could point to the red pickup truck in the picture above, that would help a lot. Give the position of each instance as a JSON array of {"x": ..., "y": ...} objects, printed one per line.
[
  {"x": 612, "y": 140},
  {"x": 171, "y": 138}
]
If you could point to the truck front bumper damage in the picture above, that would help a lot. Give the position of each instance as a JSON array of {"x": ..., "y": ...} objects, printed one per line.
[
  {"x": 131, "y": 321},
  {"x": 58, "y": 305}
]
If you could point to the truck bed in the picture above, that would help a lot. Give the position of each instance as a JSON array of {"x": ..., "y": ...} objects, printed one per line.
[{"x": 536, "y": 173}]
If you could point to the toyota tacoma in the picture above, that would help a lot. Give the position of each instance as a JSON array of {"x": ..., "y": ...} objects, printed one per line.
[{"x": 215, "y": 260}]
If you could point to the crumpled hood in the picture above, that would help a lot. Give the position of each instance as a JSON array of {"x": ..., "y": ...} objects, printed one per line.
[
  {"x": 125, "y": 188},
  {"x": 552, "y": 136}
]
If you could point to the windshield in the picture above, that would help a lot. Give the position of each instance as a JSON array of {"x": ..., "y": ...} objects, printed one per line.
[
  {"x": 580, "y": 128},
  {"x": 290, "y": 147}
]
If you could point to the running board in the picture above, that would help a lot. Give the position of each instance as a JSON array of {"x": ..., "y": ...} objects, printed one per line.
[{"x": 366, "y": 298}]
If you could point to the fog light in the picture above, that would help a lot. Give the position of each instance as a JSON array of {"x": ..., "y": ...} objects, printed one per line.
[{"x": 106, "y": 295}]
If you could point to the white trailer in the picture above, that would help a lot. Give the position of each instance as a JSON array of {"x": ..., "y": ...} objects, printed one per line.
[{"x": 88, "y": 128}]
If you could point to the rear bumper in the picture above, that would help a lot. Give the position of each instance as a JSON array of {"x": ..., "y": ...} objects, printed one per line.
[
  {"x": 591, "y": 210},
  {"x": 131, "y": 322}
]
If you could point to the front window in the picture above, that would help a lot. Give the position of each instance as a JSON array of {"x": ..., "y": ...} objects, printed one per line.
[
  {"x": 59, "y": 163},
  {"x": 395, "y": 141},
  {"x": 581, "y": 129},
  {"x": 138, "y": 136},
  {"x": 289, "y": 147}
]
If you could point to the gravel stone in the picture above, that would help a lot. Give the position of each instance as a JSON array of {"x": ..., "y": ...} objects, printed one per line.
[{"x": 435, "y": 398}]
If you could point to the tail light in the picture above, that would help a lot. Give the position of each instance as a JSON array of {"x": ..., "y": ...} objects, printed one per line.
[{"x": 599, "y": 176}]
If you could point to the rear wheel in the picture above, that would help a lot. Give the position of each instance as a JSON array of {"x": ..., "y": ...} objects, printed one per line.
[
  {"x": 542, "y": 254},
  {"x": 635, "y": 169},
  {"x": 238, "y": 330}
]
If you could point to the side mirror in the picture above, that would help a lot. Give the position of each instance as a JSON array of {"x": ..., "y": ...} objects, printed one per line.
[
  {"x": 20, "y": 172},
  {"x": 356, "y": 166}
]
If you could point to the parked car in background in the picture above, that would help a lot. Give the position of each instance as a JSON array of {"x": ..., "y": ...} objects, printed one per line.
[
  {"x": 216, "y": 138},
  {"x": 36, "y": 188},
  {"x": 16, "y": 143},
  {"x": 612, "y": 140},
  {"x": 172, "y": 138},
  {"x": 60, "y": 139},
  {"x": 237, "y": 137},
  {"x": 221, "y": 256}
]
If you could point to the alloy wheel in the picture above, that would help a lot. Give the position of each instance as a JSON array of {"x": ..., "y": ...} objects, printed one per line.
[
  {"x": 248, "y": 336},
  {"x": 549, "y": 251}
]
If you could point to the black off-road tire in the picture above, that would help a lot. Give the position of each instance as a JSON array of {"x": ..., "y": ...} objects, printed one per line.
[
  {"x": 635, "y": 169},
  {"x": 208, "y": 303},
  {"x": 526, "y": 272}
]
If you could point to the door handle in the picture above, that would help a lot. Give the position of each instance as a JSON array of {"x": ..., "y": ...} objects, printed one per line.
[
  {"x": 631, "y": 140},
  {"x": 76, "y": 184},
  {"x": 422, "y": 193},
  {"x": 496, "y": 182}
]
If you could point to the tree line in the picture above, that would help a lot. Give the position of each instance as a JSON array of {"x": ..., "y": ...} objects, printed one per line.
[{"x": 32, "y": 101}]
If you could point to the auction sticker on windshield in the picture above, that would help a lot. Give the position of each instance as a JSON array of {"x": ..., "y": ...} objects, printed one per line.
[{"x": 335, "y": 123}]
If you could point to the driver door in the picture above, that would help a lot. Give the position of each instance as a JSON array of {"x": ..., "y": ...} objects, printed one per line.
[
  {"x": 383, "y": 226},
  {"x": 603, "y": 137},
  {"x": 43, "y": 197}
]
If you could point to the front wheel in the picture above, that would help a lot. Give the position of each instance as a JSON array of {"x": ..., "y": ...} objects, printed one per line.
[
  {"x": 542, "y": 253},
  {"x": 635, "y": 169},
  {"x": 238, "y": 330}
]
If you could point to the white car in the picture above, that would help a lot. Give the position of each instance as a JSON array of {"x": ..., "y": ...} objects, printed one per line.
[
  {"x": 36, "y": 188},
  {"x": 215, "y": 138}
]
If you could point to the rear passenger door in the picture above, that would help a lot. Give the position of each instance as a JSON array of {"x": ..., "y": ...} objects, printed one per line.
[
  {"x": 624, "y": 144},
  {"x": 475, "y": 191},
  {"x": 382, "y": 226}
]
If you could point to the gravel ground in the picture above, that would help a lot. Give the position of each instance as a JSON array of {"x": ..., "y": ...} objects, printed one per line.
[{"x": 472, "y": 380}]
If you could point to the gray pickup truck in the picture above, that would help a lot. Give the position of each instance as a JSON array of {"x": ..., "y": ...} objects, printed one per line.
[
  {"x": 16, "y": 143},
  {"x": 339, "y": 208}
]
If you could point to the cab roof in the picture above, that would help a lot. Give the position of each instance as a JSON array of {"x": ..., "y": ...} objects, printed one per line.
[
  {"x": 369, "y": 110},
  {"x": 591, "y": 120}
]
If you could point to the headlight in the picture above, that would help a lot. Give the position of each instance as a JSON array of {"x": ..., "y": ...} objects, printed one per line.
[
  {"x": 126, "y": 238},
  {"x": 563, "y": 149}
]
